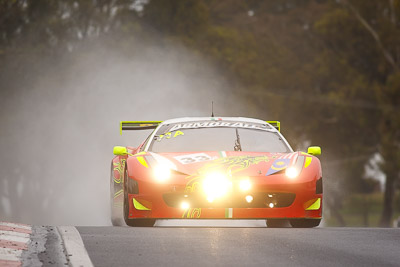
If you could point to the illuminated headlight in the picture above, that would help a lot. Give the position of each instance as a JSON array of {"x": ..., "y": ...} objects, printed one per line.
[
  {"x": 244, "y": 185},
  {"x": 249, "y": 199},
  {"x": 162, "y": 173},
  {"x": 292, "y": 172},
  {"x": 216, "y": 185},
  {"x": 185, "y": 205}
]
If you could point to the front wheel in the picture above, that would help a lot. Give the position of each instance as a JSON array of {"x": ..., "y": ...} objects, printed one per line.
[
  {"x": 304, "y": 223},
  {"x": 141, "y": 222},
  {"x": 130, "y": 186},
  {"x": 116, "y": 209}
]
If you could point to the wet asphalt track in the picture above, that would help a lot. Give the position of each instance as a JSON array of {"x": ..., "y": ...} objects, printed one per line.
[{"x": 195, "y": 246}]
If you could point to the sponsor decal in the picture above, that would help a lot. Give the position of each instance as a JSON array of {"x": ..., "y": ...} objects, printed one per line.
[
  {"x": 118, "y": 193},
  {"x": 209, "y": 124},
  {"x": 278, "y": 165},
  {"x": 169, "y": 135},
  {"x": 193, "y": 158},
  {"x": 228, "y": 213},
  {"x": 118, "y": 170},
  {"x": 192, "y": 213}
]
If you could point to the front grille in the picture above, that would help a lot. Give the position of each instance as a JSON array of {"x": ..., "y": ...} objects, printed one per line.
[{"x": 260, "y": 200}]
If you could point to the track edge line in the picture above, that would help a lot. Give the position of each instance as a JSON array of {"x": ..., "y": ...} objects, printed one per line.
[{"x": 75, "y": 250}]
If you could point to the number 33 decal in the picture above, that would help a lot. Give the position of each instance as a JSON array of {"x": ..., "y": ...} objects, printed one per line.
[{"x": 193, "y": 158}]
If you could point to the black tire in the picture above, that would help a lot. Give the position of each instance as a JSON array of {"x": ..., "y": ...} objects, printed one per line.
[
  {"x": 304, "y": 223},
  {"x": 129, "y": 185},
  {"x": 116, "y": 213},
  {"x": 141, "y": 222}
]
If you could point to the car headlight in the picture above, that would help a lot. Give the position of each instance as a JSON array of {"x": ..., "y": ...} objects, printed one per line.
[
  {"x": 245, "y": 185},
  {"x": 216, "y": 185},
  {"x": 162, "y": 173},
  {"x": 185, "y": 205},
  {"x": 295, "y": 170},
  {"x": 292, "y": 172}
]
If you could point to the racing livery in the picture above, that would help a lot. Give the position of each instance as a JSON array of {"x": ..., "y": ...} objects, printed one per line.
[{"x": 215, "y": 168}]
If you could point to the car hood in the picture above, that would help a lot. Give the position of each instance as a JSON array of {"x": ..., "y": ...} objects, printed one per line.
[{"x": 231, "y": 162}]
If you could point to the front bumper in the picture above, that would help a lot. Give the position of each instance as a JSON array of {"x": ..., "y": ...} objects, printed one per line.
[{"x": 290, "y": 201}]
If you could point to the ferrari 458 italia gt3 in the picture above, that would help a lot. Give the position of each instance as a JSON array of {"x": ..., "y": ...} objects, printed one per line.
[{"x": 215, "y": 168}]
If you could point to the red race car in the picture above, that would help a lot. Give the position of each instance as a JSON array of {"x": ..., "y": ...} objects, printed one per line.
[{"x": 215, "y": 168}]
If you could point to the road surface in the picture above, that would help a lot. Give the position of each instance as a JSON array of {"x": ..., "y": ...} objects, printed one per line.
[
  {"x": 180, "y": 245},
  {"x": 183, "y": 246}
]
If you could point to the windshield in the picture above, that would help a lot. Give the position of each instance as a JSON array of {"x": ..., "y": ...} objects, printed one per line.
[{"x": 218, "y": 139}]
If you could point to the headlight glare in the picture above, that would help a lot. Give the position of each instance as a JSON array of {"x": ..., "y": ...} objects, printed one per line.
[
  {"x": 292, "y": 172},
  {"x": 245, "y": 185},
  {"x": 216, "y": 185},
  {"x": 162, "y": 173},
  {"x": 185, "y": 205},
  {"x": 249, "y": 199}
]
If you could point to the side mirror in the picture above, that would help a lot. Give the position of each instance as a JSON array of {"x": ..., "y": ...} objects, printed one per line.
[
  {"x": 314, "y": 150},
  {"x": 120, "y": 151}
]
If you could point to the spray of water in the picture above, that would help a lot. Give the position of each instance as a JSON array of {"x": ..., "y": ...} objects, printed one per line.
[{"x": 58, "y": 130}]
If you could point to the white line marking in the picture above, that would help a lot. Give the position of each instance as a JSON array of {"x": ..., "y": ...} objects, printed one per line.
[
  {"x": 16, "y": 225},
  {"x": 75, "y": 249},
  {"x": 10, "y": 251},
  {"x": 13, "y": 238},
  {"x": 12, "y": 233},
  {"x": 9, "y": 254},
  {"x": 9, "y": 258}
]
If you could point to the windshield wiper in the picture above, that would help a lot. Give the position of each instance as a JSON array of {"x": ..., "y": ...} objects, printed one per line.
[{"x": 238, "y": 146}]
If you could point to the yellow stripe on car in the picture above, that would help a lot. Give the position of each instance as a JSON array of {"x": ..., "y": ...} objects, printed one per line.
[
  {"x": 142, "y": 161},
  {"x": 138, "y": 205},
  {"x": 308, "y": 162},
  {"x": 118, "y": 193},
  {"x": 316, "y": 205}
]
